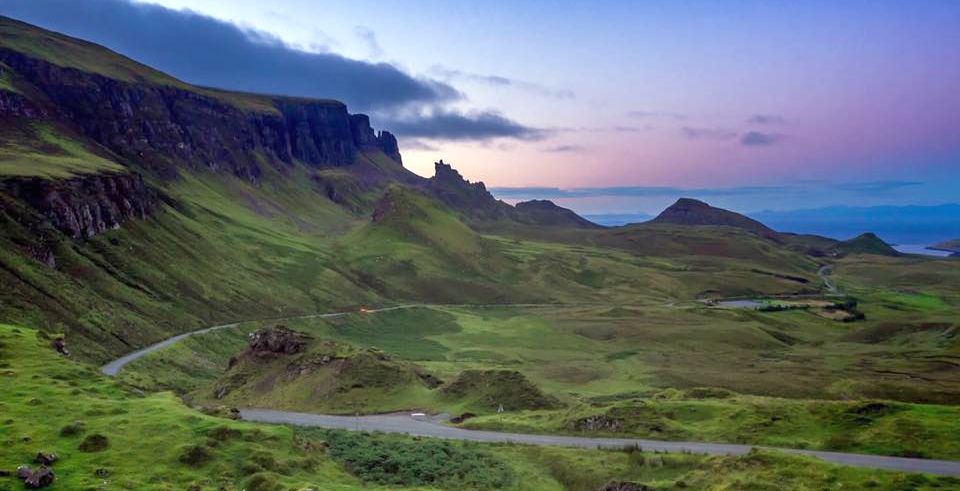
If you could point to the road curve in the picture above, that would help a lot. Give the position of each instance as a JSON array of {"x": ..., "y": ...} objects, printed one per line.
[
  {"x": 114, "y": 366},
  {"x": 403, "y": 423}
]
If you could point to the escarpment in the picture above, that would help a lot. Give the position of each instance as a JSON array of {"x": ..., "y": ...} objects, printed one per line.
[
  {"x": 166, "y": 126},
  {"x": 84, "y": 206}
]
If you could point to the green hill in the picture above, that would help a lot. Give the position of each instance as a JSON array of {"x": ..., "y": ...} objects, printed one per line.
[{"x": 867, "y": 243}]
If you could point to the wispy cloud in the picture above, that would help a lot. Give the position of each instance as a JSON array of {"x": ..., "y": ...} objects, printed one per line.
[
  {"x": 876, "y": 188},
  {"x": 449, "y": 74},
  {"x": 758, "y": 139},
  {"x": 374, "y": 50},
  {"x": 566, "y": 149},
  {"x": 707, "y": 133},
  {"x": 622, "y": 191},
  {"x": 416, "y": 144},
  {"x": 657, "y": 115},
  {"x": 771, "y": 119}
]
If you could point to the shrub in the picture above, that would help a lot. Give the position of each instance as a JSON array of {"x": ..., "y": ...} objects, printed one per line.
[
  {"x": 262, "y": 482},
  {"x": 94, "y": 443},
  {"x": 403, "y": 462},
  {"x": 195, "y": 455},
  {"x": 72, "y": 429}
]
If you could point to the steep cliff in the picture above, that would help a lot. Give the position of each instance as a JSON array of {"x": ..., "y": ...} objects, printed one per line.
[
  {"x": 84, "y": 206},
  {"x": 164, "y": 127}
]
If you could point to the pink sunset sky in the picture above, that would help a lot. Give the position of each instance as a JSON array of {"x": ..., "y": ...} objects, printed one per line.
[{"x": 751, "y": 97}]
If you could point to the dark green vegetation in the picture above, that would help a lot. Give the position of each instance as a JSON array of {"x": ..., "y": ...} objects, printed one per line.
[
  {"x": 211, "y": 207},
  {"x": 402, "y": 462}
]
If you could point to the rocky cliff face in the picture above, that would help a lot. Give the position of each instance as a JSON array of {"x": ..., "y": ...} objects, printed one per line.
[
  {"x": 469, "y": 198},
  {"x": 84, "y": 206},
  {"x": 164, "y": 127}
]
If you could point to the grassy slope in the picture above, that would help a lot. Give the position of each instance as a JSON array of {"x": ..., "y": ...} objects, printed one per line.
[
  {"x": 628, "y": 362},
  {"x": 226, "y": 251},
  {"x": 148, "y": 435},
  {"x": 39, "y": 150}
]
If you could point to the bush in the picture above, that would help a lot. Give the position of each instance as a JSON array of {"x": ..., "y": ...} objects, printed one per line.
[
  {"x": 94, "y": 443},
  {"x": 223, "y": 433},
  {"x": 195, "y": 455},
  {"x": 403, "y": 462},
  {"x": 72, "y": 429},
  {"x": 262, "y": 482}
]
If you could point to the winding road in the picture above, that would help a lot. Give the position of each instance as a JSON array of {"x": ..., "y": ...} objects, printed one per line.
[{"x": 435, "y": 426}]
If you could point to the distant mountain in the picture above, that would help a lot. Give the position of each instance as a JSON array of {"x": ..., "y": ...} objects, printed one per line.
[
  {"x": 952, "y": 245},
  {"x": 687, "y": 211},
  {"x": 615, "y": 219},
  {"x": 897, "y": 224},
  {"x": 867, "y": 243},
  {"x": 544, "y": 212}
]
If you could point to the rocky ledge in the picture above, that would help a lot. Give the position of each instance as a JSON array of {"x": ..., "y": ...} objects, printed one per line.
[{"x": 84, "y": 206}]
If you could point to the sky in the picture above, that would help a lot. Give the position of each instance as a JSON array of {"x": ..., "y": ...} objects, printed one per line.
[{"x": 603, "y": 106}]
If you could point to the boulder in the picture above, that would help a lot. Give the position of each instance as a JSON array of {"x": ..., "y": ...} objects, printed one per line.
[
  {"x": 35, "y": 479},
  {"x": 46, "y": 459}
]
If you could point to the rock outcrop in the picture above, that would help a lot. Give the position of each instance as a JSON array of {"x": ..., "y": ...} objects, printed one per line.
[
  {"x": 84, "y": 206},
  {"x": 40, "y": 478},
  {"x": 365, "y": 138},
  {"x": 276, "y": 340},
  {"x": 470, "y": 198}
]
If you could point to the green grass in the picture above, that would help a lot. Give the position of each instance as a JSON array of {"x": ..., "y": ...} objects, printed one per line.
[
  {"x": 154, "y": 442},
  {"x": 43, "y": 152},
  {"x": 805, "y": 381}
]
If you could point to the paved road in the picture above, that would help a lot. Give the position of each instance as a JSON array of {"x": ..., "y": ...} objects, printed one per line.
[
  {"x": 434, "y": 427},
  {"x": 114, "y": 366},
  {"x": 824, "y": 274}
]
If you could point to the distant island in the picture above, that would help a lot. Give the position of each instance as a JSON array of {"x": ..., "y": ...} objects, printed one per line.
[{"x": 947, "y": 246}]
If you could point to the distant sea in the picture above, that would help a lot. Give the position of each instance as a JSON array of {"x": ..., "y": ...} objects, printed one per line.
[{"x": 910, "y": 229}]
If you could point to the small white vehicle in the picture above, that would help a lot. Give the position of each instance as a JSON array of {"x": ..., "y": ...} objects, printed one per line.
[{"x": 418, "y": 416}]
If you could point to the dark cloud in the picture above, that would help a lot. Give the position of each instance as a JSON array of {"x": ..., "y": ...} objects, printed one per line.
[
  {"x": 566, "y": 149},
  {"x": 206, "y": 51},
  {"x": 498, "y": 81},
  {"x": 766, "y": 119},
  {"x": 707, "y": 133},
  {"x": 758, "y": 139},
  {"x": 454, "y": 125},
  {"x": 657, "y": 115}
]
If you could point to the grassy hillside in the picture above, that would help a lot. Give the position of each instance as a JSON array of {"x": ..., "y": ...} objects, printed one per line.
[
  {"x": 104, "y": 433},
  {"x": 678, "y": 372}
]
